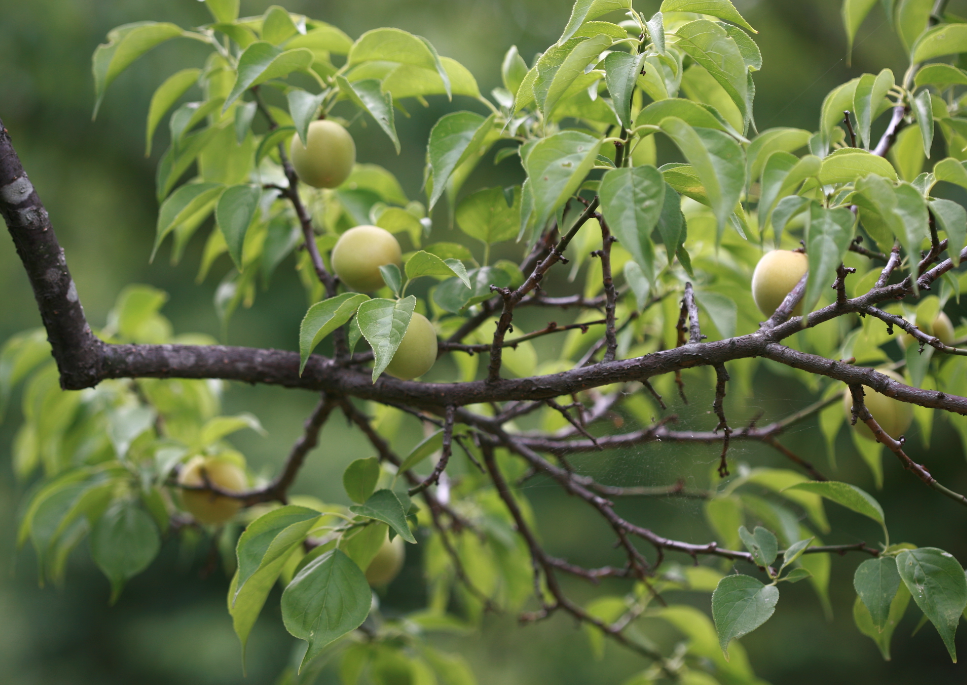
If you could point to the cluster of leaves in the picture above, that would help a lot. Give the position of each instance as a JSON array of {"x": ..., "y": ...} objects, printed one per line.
[{"x": 581, "y": 120}]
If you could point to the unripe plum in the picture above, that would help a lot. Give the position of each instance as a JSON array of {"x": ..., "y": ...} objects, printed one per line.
[
  {"x": 327, "y": 158},
  {"x": 776, "y": 274},
  {"x": 387, "y": 563},
  {"x": 360, "y": 252},
  {"x": 207, "y": 507},
  {"x": 893, "y": 415},
  {"x": 417, "y": 351},
  {"x": 941, "y": 327}
]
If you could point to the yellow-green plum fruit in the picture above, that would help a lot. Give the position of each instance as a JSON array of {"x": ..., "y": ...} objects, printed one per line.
[
  {"x": 941, "y": 327},
  {"x": 893, "y": 415},
  {"x": 327, "y": 158},
  {"x": 387, "y": 563},
  {"x": 360, "y": 252},
  {"x": 417, "y": 351},
  {"x": 207, "y": 507},
  {"x": 776, "y": 274}
]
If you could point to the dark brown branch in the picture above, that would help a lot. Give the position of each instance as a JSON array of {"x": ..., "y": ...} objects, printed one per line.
[
  {"x": 277, "y": 490},
  {"x": 571, "y": 420},
  {"x": 447, "y": 449},
  {"x": 839, "y": 285},
  {"x": 511, "y": 298},
  {"x": 862, "y": 413},
  {"x": 891, "y": 264},
  {"x": 689, "y": 305},
  {"x": 785, "y": 309},
  {"x": 857, "y": 247},
  {"x": 542, "y": 561},
  {"x": 610, "y": 335},
  {"x": 849, "y": 129},
  {"x": 924, "y": 339},
  {"x": 897, "y": 124},
  {"x": 74, "y": 346},
  {"x": 718, "y": 406}
]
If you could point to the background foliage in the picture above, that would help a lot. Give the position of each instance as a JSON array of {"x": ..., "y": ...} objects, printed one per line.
[{"x": 98, "y": 189}]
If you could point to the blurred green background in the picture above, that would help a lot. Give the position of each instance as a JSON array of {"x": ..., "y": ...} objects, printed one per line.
[{"x": 170, "y": 625}]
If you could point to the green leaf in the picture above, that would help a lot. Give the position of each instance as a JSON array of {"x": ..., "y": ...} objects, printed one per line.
[
  {"x": 384, "y": 323},
  {"x": 773, "y": 183},
  {"x": 797, "y": 574},
  {"x": 165, "y": 97},
  {"x": 271, "y": 140},
  {"x": 363, "y": 544},
  {"x": 453, "y": 139},
  {"x": 854, "y": 12},
  {"x": 244, "y": 115},
  {"x": 718, "y": 160},
  {"x": 360, "y": 478},
  {"x": 426, "y": 447},
  {"x": 723, "y": 9},
  {"x": 621, "y": 74},
  {"x": 671, "y": 223},
  {"x": 867, "y": 101},
  {"x": 189, "y": 115},
  {"x": 366, "y": 95},
  {"x": 556, "y": 167},
  {"x": 234, "y": 213},
  {"x": 586, "y": 10},
  {"x": 277, "y": 25},
  {"x": 184, "y": 203},
  {"x": 426, "y": 264},
  {"x": 327, "y": 599},
  {"x": 849, "y": 164},
  {"x": 392, "y": 277},
  {"x": 952, "y": 218},
  {"x": 864, "y": 622},
  {"x": 486, "y": 216},
  {"x": 714, "y": 49},
  {"x": 384, "y": 505},
  {"x": 692, "y": 113},
  {"x": 795, "y": 551},
  {"x": 562, "y": 68},
  {"x": 265, "y": 545},
  {"x": 845, "y": 494},
  {"x": 631, "y": 201},
  {"x": 740, "y": 604},
  {"x": 223, "y": 10},
  {"x": 828, "y": 236},
  {"x": 303, "y": 107},
  {"x": 946, "y": 39},
  {"x": 831, "y": 115},
  {"x": 940, "y": 75},
  {"x": 876, "y": 582},
  {"x": 762, "y": 544},
  {"x": 774, "y": 140},
  {"x": 124, "y": 541},
  {"x": 923, "y": 106},
  {"x": 938, "y": 586},
  {"x": 262, "y": 62},
  {"x": 220, "y": 426},
  {"x": 124, "y": 45},
  {"x": 721, "y": 309},
  {"x": 323, "y": 318},
  {"x": 513, "y": 70},
  {"x": 323, "y": 38},
  {"x": 656, "y": 32},
  {"x": 20, "y": 355},
  {"x": 951, "y": 171},
  {"x": 391, "y": 45}
]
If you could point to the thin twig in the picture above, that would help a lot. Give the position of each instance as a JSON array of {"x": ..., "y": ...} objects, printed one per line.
[
  {"x": 447, "y": 449},
  {"x": 607, "y": 239},
  {"x": 862, "y": 413},
  {"x": 718, "y": 406}
]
